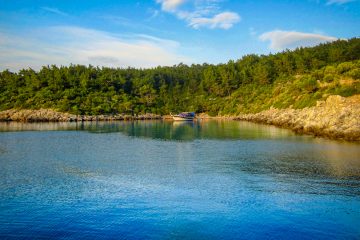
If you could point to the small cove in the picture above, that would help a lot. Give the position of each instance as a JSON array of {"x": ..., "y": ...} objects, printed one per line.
[{"x": 159, "y": 179}]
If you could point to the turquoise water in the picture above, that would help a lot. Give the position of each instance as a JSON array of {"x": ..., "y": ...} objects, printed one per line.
[{"x": 164, "y": 180}]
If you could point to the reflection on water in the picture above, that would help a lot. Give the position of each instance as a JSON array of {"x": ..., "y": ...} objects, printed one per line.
[
  {"x": 158, "y": 179},
  {"x": 164, "y": 130}
]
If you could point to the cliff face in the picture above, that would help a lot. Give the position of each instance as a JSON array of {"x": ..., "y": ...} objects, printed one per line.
[{"x": 337, "y": 117}]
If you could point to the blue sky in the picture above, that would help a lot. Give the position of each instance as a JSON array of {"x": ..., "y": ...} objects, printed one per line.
[{"x": 164, "y": 32}]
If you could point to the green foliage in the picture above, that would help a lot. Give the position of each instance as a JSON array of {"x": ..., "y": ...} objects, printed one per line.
[
  {"x": 307, "y": 101},
  {"x": 329, "y": 78},
  {"x": 250, "y": 84},
  {"x": 318, "y": 74},
  {"x": 308, "y": 83},
  {"x": 354, "y": 73},
  {"x": 330, "y": 70},
  {"x": 347, "y": 91},
  {"x": 344, "y": 67}
]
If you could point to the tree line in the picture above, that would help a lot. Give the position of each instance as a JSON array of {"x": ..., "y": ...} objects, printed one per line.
[{"x": 249, "y": 84}]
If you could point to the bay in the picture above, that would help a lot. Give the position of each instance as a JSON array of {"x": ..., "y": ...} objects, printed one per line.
[{"x": 172, "y": 180}]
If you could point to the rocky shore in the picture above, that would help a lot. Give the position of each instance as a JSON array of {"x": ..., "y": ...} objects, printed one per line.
[
  {"x": 48, "y": 115},
  {"x": 336, "y": 118}
]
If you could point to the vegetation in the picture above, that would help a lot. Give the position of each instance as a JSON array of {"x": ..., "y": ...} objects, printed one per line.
[{"x": 253, "y": 83}]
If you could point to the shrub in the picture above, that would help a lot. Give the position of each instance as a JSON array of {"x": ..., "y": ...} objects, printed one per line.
[
  {"x": 303, "y": 102},
  {"x": 329, "y": 78},
  {"x": 308, "y": 83},
  {"x": 346, "y": 91},
  {"x": 355, "y": 73},
  {"x": 344, "y": 67},
  {"x": 318, "y": 74},
  {"x": 330, "y": 70}
]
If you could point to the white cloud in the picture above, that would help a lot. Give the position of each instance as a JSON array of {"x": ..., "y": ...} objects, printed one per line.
[
  {"x": 170, "y": 5},
  {"x": 223, "y": 20},
  {"x": 201, "y": 13},
  {"x": 67, "y": 44},
  {"x": 280, "y": 40},
  {"x": 338, "y": 2},
  {"x": 153, "y": 13},
  {"x": 54, "y": 10}
]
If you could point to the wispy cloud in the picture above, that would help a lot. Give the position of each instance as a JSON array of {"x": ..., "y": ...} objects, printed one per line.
[
  {"x": 134, "y": 25},
  {"x": 67, "y": 44},
  {"x": 170, "y": 5},
  {"x": 223, "y": 20},
  {"x": 153, "y": 13},
  {"x": 280, "y": 40},
  {"x": 338, "y": 2},
  {"x": 201, "y": 13},
  {"x": 55, "y": 11}
]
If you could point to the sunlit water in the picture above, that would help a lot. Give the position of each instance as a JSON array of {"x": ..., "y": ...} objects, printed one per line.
[{"x": 164, "y": 180}]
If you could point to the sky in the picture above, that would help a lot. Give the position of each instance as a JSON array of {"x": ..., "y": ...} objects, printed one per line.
[{"x": 150, "y": 33}]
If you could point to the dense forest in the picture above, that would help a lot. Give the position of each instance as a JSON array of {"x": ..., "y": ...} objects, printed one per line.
[{"x": 253, "y": 83}]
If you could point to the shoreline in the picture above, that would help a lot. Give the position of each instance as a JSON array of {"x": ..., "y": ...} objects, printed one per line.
[
  {"x": 336, "y": 118},
  {"x": 49, "y": 115}
]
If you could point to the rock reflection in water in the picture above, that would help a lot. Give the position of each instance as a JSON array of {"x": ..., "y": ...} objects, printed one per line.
[{"x": 163, "y": 130}]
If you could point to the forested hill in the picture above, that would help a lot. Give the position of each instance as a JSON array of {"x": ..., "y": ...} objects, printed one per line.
[{"x": 253, "y": 83}]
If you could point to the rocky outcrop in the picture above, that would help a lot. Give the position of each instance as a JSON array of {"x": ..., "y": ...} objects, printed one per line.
[
  {"x": 48, "y": 115},
  {"x": 337, "y": 117}
]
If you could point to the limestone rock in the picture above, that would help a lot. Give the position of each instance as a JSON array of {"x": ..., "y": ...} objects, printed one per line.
[
  {"x": 48, "y": 115},
  {"x": 337, "y": 117}
]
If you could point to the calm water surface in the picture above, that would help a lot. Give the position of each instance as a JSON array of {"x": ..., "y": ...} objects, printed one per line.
[{"x": 164, "y": 180}]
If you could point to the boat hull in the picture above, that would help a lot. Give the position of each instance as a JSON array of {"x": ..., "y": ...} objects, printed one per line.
[{"x": 177, "y": 118}]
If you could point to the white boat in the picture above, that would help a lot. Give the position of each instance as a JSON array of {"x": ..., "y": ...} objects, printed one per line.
[{"x": 184, "y": 116}]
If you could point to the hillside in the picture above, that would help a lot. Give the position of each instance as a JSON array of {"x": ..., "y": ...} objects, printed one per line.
[{"x": 295, "y": 79}]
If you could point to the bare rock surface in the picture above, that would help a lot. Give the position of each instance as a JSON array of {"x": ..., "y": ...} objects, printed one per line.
[
  {"x": 48, "y": 115},
  {"x": 337, "y": 117}
]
